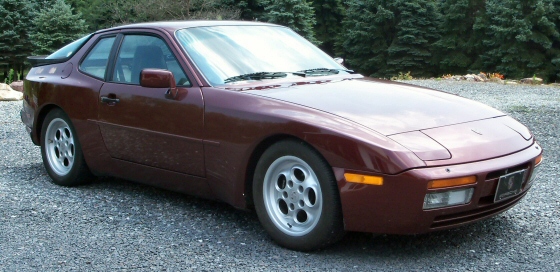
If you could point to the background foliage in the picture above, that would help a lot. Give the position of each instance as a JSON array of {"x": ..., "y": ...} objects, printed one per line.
[
  {"x": 15, "y": 27},
  {"x": 380, "y": 38},
  {"x": 48, "y": 24}
]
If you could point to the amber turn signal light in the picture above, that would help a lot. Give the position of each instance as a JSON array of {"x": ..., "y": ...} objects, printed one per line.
[
  {"x": 357, "y": 178},
  {"x": 538, "y": 160},
  {"x": 443, "y": 183}
]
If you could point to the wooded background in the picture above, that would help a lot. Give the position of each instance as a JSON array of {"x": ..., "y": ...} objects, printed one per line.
[{"x": 381, "y": 38}]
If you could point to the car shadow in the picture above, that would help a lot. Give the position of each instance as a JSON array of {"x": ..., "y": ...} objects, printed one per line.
[
  {"x": 164, "y": 206},
  {"x": 197, "y": 219},
  {"x": 355, "y": 242},
  {"x": 459, "y": 241}
]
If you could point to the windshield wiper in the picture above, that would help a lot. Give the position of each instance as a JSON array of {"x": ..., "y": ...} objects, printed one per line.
[
  {"x": 322, "y": 71},
  {"x": 260, "y": 75},
  {"x": 272, "y": 75}
]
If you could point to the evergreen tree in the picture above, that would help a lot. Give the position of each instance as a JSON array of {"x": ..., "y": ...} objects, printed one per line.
[
  {"x": 14, "y": 30},
  {"x": 383, "y": 37},
  {"x": 56, "y": 26},
  {"x": 518, "y": 38},
  {"x": 554, "y": 52},
  {"x": 329, "y": 14},
  {"x": 101, "y": 14},
  {"x": 78, "y": 5},
  {"x": 157, "y": 10},
  {"x": 366, "y": 35},
  {"x": 459, "y": 45},
  {"x": 251, "y": 10},
  {"x": 296, "y": 14},
  {"x": 416, "y": 31}
]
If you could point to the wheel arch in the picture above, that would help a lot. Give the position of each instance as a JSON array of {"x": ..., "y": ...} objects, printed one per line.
[
  {"x": 256, "y": 154},
  {"x": 43, "y": 112}
]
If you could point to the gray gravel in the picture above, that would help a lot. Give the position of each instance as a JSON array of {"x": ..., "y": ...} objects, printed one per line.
[{"x": 115, "y": 224}]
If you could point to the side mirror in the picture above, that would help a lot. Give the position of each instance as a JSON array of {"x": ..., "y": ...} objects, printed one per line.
[
  {"x": 158, "y": 78},
  {"x": 339, "y": 60}
]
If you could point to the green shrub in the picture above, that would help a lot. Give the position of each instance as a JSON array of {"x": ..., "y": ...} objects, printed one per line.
[
  {"x": 403, "y": 76},
  {"x": 10, "y": 77}
]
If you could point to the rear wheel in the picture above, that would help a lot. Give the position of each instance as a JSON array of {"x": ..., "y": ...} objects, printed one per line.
[
  {"x": 61, "y": 151},
  {"x": 296, "y": 197}
]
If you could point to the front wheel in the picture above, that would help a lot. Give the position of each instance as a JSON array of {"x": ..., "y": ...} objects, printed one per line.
[
  {"x": 296, "y": 197},
  {"x": 61, "y": 151}
]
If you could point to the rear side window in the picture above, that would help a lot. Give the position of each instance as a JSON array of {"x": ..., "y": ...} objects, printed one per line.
[
  {"x": 69, "y": 50},
  {"x": 95, "y": 63}
]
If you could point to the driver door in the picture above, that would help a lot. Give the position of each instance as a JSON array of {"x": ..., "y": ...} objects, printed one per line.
[{"x": 140, "y": 124}]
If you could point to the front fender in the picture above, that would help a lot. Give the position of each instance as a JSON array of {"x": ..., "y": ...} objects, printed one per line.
[{"x": 236, "y": 123}]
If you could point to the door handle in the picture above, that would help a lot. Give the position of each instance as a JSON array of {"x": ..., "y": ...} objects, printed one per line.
[{"x": 110, "y": 101}]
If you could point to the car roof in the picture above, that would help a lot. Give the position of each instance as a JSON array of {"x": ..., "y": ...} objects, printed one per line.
[{"x": 172, "y": 26}]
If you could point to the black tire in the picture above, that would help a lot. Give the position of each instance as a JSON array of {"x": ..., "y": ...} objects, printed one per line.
[
  {"x": 296, "y": 197},
  {"x": 62, "y": 152}
]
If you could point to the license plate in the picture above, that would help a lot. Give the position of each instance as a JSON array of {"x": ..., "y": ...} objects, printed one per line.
[{"x": 509, "y": 185}]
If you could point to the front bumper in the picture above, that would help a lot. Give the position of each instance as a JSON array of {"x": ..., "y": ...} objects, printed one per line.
[{"x": 396, "y": 207}]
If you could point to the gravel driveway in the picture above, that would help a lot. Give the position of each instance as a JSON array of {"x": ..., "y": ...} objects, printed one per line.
[{"x": 114, "y": 224}]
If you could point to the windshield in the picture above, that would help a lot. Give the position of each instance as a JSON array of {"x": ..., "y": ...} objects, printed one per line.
[
  {"x": 69, "y": 49},
  {"x": 225, "y": 52}
]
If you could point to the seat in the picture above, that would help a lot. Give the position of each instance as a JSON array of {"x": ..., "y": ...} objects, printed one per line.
[{"x": 147, "y": 56}]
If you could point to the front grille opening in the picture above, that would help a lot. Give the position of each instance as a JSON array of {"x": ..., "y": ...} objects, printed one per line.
[{"x": 487, "y": 200}]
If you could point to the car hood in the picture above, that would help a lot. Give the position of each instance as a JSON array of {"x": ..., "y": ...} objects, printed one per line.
[
  {"x": 383, "y": 106},
  {"x": 434, "y": 125}
]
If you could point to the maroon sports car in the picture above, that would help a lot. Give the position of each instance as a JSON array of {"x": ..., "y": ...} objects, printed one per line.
[{"x": 254, "y": 115}]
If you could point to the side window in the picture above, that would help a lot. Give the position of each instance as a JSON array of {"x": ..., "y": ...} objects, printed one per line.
[
  {"x": 139, "y": 52},
  {"x": 95, "y": 63}
]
